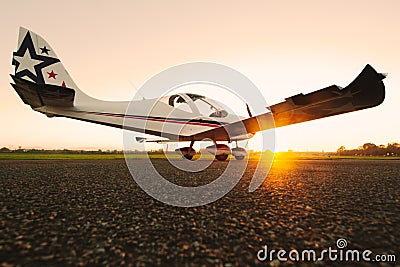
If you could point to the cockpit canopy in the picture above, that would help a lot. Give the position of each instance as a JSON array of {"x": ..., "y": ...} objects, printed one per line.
[{"x": 196, "y": 104}]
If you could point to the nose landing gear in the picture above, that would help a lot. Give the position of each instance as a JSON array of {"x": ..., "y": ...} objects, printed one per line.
[
  {"x": 220, "y": 151},
  {"x": 221, "y": 157}
]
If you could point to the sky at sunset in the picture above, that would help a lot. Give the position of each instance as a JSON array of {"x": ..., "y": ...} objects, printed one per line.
[{"x": 284, "y": 47}]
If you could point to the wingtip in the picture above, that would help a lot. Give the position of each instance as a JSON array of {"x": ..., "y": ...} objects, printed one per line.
[{"x": 381, "y": 75}]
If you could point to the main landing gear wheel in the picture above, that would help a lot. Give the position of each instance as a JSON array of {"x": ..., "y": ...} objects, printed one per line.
[
  {"x": 187, "y": 152},
  {"x": 221, "y": 157},
  {"x": 239, "y": 152},
  {"x": 188, "y": 156}
]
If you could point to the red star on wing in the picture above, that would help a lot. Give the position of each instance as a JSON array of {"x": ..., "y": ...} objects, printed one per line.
[
  {"x": 63, "y": 84},
  {"x": 52, "y": 74}
]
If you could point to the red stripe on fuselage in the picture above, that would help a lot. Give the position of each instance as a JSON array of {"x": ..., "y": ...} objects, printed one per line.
[{"x": 151, "y": 119}]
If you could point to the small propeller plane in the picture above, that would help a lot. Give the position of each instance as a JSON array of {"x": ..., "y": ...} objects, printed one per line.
[{"x": 43, "y": 83}]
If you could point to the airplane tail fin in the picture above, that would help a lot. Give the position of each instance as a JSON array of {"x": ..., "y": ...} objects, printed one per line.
[{"x": 40, "y": 78}]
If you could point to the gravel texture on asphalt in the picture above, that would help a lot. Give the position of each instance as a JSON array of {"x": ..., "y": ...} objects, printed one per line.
[{"x": 88, "y": 212}]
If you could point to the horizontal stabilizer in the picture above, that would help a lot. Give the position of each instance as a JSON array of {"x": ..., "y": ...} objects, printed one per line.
[{"x": 38, "y": 95}]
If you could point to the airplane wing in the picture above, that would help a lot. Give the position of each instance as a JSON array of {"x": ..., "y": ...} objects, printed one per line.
[{"x": 366, "y": 91}]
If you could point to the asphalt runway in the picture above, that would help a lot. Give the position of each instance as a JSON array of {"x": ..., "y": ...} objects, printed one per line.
[{"x": 91, "y": 212}]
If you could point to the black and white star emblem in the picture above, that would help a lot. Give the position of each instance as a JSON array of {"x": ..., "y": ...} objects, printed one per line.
[
  {"x": 44, "y": 50},
  {"x": 28, "y": 63}
]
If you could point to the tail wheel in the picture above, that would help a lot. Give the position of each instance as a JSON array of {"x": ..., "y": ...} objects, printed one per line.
[
  {"x": 239, "y": 157},
  {"x": 221, "y": 157}
]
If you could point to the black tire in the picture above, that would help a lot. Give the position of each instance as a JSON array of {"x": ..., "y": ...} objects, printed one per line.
[
  {"x": 239, "y": 157},
  {"x": 221, "y": 157},
  {"x": 187, "y": 156}
]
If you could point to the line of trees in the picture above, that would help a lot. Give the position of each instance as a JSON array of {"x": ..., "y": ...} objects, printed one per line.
[
  {"x": 57, "y": 151},
  {"x": 71, "y": 151},
  {"x": 370, "y": 149}
]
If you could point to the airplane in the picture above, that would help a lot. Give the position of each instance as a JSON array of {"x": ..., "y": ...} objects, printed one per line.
[{"x": 43, "y": 83}]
